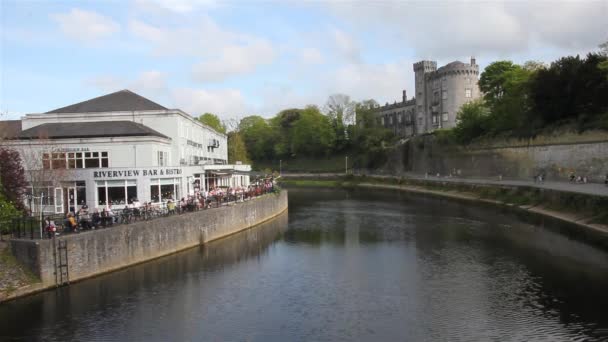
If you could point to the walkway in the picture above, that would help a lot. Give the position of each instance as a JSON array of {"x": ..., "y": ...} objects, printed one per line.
[{"x": 588, "y": 189}]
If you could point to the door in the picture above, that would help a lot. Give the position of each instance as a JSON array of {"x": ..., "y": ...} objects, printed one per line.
[
  {"x": 72, "y": 200},
  {"x": 58, "y": 200}
]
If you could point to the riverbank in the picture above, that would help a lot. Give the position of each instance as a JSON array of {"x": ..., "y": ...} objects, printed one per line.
[
  {"x": 587, "y": 212},
  {"x": 93, "y": 253}
]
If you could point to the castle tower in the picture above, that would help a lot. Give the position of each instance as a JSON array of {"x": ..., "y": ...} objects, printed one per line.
[{"x": 422, "y": 70}]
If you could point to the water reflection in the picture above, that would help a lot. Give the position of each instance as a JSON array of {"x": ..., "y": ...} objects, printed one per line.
[{"x": 346, "y": 265}]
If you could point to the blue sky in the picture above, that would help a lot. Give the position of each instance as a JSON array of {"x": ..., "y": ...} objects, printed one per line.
[{"x": 238, "y": 58}]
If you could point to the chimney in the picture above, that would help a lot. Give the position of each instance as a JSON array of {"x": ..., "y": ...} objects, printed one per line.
[
  {"x": 404, "y": 96},
  {"x": 472, "y": 60}
]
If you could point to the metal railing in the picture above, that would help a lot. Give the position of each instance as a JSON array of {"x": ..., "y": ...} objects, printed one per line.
[{"x": 30, "y": 227}]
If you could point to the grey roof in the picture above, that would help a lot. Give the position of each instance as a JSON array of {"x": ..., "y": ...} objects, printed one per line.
[
  {"x": 10, "y": 129},
  {"x": 93, "y": 129},
  {"x": 120, "y": 101}
]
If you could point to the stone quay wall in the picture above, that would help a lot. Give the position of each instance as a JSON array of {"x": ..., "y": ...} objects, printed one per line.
[
  {"x": 423, "y": 154},
  {"x": 95, "y": 252}
]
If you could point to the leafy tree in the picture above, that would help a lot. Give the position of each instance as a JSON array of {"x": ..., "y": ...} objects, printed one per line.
[
  {"x": 492, "y": 80},
  {"x": 12, "y": 177},
  {"x": 7, "y": 209},
  {"x": 212, "y": 121},
  {"x": 236, "y": 148},
  {"x": 312, "y": 133},
  {"x": 341, "y": 113},
  {"x": 473, "y": 121},
  {"x": 257, "y": 136}
]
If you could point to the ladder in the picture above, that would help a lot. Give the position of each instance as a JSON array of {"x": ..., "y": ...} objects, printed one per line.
[{"x": 60, "y": 255}]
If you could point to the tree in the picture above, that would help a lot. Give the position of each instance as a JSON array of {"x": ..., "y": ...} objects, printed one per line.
[
  {"x": 212, "y": 121},
  {"x": 312, "y": 133},
  {"x": 236, "y": 148},
  {"x": 12, "y": 177},
  {"x": 341, "y": 112},
  {"x": 492, "y": 80},
  {"x": 472, "y": 121},
  {"x": 257, "y": 136}
]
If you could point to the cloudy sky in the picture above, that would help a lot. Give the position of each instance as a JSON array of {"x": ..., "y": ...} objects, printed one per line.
[{"x": 238, "y": 58}]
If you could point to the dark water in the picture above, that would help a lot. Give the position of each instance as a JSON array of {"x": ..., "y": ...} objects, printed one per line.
[{"x": 371, "y": 266}]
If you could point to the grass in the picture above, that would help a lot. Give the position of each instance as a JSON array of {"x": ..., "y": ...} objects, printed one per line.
[{"x": 335, "y": 163}]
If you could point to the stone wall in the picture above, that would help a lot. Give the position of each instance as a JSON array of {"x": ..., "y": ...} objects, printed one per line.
[
  {"x": 95, "y": 252},
  {"x": 423, "y": 154}
]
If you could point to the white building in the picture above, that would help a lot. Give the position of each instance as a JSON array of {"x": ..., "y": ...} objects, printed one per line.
[{"x": 118, "y": 147}]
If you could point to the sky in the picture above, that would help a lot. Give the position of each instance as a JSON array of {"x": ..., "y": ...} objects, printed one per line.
[{"x": 240, "y": 58}]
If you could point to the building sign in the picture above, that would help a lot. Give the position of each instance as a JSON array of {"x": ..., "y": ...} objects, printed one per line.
[
  {"x": 71, "y": 149},
  {"x": 137, "y": 173}
]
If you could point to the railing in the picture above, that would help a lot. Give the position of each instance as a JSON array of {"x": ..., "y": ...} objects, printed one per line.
[{"x": 30, "y": 227}]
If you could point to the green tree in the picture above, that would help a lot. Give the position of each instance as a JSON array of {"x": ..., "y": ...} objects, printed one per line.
[
  {"x": 212, "y": 121},
  {"x": 492, "y": 80},
  {"x": 7, "y": 209},
  {"x": 237, "y": 151},
  {"x": 312, "y": 133},
  {"x": 257, "y": 136},
  {"x": 472, "y": 121}
]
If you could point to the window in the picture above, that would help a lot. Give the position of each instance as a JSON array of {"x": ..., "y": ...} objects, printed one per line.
[
  {"x": 444, "y": 95},
  {"x": 420, "y": 121},
  {"x": 467, "y": 93},
  {"x": 382, "y": 119},
  {"x": 81, "y": 193},
  {"x": 162, "y": 158},
  {"x": 75, "y": 160},
  {"x": 119, "y": 192},
  {"x": 435, "y": 121},
  {"x": 444, "y": 116},
  {"x": 400, "y": 118},
  {"x": 390, "y": 120},
  {"x": 436, "y": 96},
  {"x": 162, "y": 189}
]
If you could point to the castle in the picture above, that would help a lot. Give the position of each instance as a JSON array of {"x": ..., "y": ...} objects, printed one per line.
[{"x": 439, "y": 95}]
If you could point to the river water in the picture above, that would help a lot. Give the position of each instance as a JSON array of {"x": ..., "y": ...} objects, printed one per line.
[{"x": 345, "y": 265}]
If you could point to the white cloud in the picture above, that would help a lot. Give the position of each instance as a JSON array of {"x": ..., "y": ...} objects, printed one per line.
[
  {"x": 226, "y": 103},
  {"x": 85, "y": 26},
  {"x": 178, "y": 6},
  {"x": 223, "y": 53},
  {"x": 311, "y": 56},
  {"x": 234, "y": 60},
  {"x": 148, "y": 83},
  {"x": 346, "y": 45},
  {"x": 443, "y": 29}
]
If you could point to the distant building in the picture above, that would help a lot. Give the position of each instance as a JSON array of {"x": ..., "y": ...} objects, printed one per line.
[{"x": 439, "y": 95}]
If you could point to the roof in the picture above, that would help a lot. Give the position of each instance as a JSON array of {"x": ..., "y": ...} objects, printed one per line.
[
  {"x": 94, "y": 129},
  {"x": 120, "y": 101},
  {"x": 10, "y": 128}
]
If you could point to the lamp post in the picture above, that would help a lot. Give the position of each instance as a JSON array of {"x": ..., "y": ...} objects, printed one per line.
[{"x": 346, "y": 165}]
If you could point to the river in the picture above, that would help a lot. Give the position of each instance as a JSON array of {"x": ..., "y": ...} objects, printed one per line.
[{"x": 340, "y": 266}]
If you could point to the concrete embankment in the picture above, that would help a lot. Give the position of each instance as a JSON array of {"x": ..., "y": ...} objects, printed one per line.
[
  {"x": 96, "y": 252},
  {"x": 587, "y": 215}
]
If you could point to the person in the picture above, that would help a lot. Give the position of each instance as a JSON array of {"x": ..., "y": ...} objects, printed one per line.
[
  {"x": 171, "y": 207},
  {"x": 573, "y": 177},
  {"x": 72, "y": 224},
  {"x": 50, "y": 227},
  {"x": 84, "y": 217},
  {"x": 95, "y": 219}
]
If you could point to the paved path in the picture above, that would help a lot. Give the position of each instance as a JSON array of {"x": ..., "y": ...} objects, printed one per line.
[{"x": 589, "y": 188}]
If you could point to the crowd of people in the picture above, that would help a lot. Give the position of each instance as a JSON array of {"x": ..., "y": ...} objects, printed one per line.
[{"x": 86, "y": 219}]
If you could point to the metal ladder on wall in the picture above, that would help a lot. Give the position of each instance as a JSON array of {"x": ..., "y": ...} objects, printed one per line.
[{"x": 60, "y": 255}]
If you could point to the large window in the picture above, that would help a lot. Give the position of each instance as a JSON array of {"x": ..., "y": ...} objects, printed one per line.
[
  {"x": 444, "y": 95},
  {"x": 75, "y": 160},
  {"x": 467, "y": 93},
  {"x": 163, "y": 189},
  {"x": 444, "y": 116},
  {"x": 119, "y": 192}
]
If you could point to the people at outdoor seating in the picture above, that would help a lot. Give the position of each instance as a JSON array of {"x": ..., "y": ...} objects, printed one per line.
[
  {"x": 96, "y": 219},
  {"x": 84, "y": 217},
  {"x": 50, "y": 228},
  {"x": 71, "y": 223}
]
